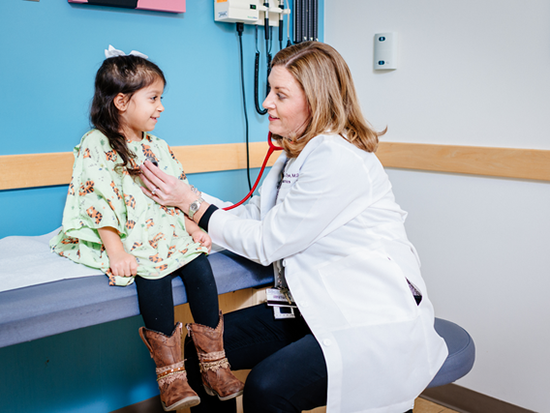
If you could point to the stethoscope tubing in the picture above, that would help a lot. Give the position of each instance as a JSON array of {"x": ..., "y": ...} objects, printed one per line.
[{"x": 272, "y": 148}]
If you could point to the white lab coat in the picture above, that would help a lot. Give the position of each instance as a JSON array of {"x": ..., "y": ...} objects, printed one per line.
[{"x": 336, "y": 227}]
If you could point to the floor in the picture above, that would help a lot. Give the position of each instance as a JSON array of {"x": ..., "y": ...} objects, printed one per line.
[
  {"x": 425, "y": 406},
  {"x": 420, "y": 406}
]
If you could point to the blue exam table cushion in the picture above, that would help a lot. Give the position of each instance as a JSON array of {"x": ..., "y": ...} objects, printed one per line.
[{"x": 43, "y": 310}]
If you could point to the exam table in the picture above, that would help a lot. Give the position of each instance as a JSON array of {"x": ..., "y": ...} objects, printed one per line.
[
  {"x": 74, "y": 296},
  {"x": 42, "y": 294}
]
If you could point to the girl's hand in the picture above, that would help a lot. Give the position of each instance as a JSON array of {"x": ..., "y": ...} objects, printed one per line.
[
  {"x": 202, "y": 238},
  {"x": 123, "y": 264}
]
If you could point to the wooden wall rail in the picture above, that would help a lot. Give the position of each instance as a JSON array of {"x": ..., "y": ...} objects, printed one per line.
[
  {"x": 501, "y": 162},
  {"x": 36, "y": 170},
  {"x": 46, "y": 169}
]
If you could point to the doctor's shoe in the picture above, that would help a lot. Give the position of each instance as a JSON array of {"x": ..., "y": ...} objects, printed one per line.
[
  {"x": 215, "y": 370},
  {"x": 175, "y": 392}
]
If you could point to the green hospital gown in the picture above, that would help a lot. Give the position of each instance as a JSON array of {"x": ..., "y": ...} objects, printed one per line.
[{"x": 99, "y": 196}]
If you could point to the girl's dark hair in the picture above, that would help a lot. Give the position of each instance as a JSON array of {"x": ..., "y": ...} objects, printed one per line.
[{"x": 120, "y": 74}]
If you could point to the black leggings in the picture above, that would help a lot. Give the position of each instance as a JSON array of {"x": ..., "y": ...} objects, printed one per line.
[
  {"x": 157, "y": 304},
  {"x": 288, "y": 368}
]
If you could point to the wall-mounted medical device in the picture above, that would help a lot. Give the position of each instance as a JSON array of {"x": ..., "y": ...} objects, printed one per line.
[
  {"x": 306, "y": 20},
  {"x": 386, "y": 47},
  {"x": 267, "y": 13},
  {"x": 250, "y": 11}
]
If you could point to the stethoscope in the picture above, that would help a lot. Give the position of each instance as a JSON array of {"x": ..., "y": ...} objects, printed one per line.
[{"x": 272, "y": 148}]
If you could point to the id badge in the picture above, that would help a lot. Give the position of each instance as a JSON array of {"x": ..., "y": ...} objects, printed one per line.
[
  {"x": 279, "y": 297},
  {"x": 283, "y": 312},
  {"x": 282, "y": 302}
]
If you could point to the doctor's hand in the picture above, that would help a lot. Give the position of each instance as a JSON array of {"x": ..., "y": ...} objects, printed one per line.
[{"x": 165, "y": 189}]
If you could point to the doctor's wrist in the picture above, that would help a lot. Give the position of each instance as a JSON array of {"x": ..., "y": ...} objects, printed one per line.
[
  {"x": 205, "y": 218},
  {"x": 194, "y": 207},
  {"x": 197, "y": 209}
]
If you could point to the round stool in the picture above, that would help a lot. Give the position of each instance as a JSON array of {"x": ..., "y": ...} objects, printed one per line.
[{"x": 461, "y": 356}]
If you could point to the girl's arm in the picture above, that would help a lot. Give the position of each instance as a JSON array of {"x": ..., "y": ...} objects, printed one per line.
[
  {"x": 198, "y": 234},
  {"x": 122, "y": 263}
]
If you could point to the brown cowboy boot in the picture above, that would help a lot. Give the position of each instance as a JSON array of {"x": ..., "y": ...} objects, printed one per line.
[
  {"x": 215, "y": 370},
  {"x": 175, "y": 392}
]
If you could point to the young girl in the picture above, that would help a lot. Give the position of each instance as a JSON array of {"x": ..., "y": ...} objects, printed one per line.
[{"x": 108, "y": 223}]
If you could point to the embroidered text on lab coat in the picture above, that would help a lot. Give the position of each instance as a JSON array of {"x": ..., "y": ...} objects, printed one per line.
[{"x": 290, "y": 178}]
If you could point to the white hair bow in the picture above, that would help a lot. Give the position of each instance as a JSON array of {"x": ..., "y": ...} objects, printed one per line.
[{"x": 112, "y": 52}]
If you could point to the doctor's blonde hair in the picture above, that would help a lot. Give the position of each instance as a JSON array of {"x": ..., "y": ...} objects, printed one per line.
[{"x": 328, "y": 86}]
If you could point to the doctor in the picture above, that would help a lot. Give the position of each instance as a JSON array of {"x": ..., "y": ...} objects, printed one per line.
[{"x": 362, "y": 337}]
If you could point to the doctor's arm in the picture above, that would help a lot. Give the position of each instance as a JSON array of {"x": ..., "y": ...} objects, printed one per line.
[
  {"x": 333, "y": 186},
  {"x": 170, "y": 191}
]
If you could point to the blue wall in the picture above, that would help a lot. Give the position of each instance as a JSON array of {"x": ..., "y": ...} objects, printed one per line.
[{"x": 50, "y": 51}]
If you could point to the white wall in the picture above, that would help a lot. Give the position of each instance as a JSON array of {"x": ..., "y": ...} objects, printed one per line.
[{"x": 471, "y": 73}]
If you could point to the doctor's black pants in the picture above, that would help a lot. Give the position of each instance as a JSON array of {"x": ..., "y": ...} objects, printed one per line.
[{"x": 288, "y": 368}]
